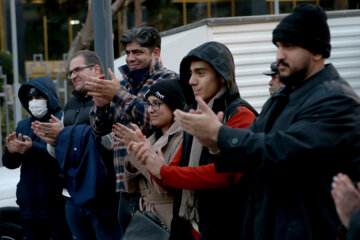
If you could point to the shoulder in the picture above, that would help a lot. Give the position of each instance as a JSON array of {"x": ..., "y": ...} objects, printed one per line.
[
  {"x": 164, "y": 73},
  {"x": 241, "y": 117}
]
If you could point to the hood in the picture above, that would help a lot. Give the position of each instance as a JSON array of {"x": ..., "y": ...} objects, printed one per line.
[
  {"x": 217, "y": 55},
  {"x": 47, "y": 87}
]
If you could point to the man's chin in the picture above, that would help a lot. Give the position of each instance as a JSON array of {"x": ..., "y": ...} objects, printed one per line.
[{"x": 293, "y": 80}]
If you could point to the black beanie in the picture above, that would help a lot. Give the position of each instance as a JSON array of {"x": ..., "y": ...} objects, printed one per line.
[
  {"x": 35, "y": 92},
  {"x": 170, "y": 92},
  {"x": 306, "y": 27}
]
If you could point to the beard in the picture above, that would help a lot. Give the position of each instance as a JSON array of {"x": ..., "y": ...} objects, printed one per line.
[{"x": 295, "y": 78}]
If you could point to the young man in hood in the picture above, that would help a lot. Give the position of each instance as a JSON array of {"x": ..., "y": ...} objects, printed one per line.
[
  {"x": 42, "y": 207},
  {"x": 206, "y": 202},
  {"x": 306, "y": 133}
]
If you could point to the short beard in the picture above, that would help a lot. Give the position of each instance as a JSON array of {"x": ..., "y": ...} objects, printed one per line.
[{"x": 295, "y": 79}]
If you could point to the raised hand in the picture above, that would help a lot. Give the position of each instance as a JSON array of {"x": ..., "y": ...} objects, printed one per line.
[
  {"x": 346, "y": 197},
  {"x": 125, "y": 135},
  {"x": 103, "y": 91},
  {"x": 193, "y": 123},
  {"x": 48, "y": 132},
  {"x": 17, "y": 145},
  {"x": 146, "y": 155}
]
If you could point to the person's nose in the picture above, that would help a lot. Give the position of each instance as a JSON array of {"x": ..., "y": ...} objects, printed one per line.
[
  {"x": 150, "y": 109},
  {"x": 192, "y": 80},
  {"x": 73, "y": 75},
  {"x": 280, "y": 55},
  {"x": 130, "y": 57}
]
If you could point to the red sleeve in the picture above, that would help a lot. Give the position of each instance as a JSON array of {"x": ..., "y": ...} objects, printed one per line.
[
  {"x": 243, "y": 118},
  {"x": 205, "y": 176}
]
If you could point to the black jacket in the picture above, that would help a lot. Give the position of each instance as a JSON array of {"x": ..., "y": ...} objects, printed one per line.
[
  {"x": 39, "y": 190},
  {"x": 290, "y": 164},
  {"x": 219, "y": 207},
  {"x": 77, "y": 109}
]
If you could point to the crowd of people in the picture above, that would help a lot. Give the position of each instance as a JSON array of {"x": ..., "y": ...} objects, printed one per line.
[{"x": 188, "y": 149}]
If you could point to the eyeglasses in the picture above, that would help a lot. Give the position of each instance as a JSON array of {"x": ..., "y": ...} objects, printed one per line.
[
  {"x": 78, "y": 69},
  {"x": 155, "y": 105}
]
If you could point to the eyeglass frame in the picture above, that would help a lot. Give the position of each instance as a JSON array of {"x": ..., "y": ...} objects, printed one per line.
[
  {"x": 78, "y": 69},
  {"x": 154, "y": 106}
]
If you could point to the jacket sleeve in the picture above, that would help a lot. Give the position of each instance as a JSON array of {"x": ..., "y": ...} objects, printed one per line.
[
  {"x": 325, "y": 122},
  {"x": 205, "y": 176},
  {"x": 14, "y": 160},
  {"x": 132, "y": 174},
  {"x": 354, "y": 226},
  {"x": 11, "y": 160}
]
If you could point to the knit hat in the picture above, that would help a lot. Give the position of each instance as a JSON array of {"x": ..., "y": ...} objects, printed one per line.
[
  {"x": 170, "y": 92},
  {"x": 306, "y": 27},
  {"x": 274, "y": 70},
  {"x": 35, "y": 92}
]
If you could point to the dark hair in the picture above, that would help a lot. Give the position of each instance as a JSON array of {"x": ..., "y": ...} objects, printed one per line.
[
  {"x": 90, "y": 58},
  {"x": 145, "y": 36}
]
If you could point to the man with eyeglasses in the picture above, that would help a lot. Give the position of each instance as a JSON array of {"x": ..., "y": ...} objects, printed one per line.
[
  {"x": 124, "y": 101},
  {"x": 88, "y": 220}
]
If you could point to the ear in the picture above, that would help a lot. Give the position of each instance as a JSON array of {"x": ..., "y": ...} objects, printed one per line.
[
  {"x": 222, "y": 80},
  {"x": 317, "y": 57},
  {"x": 97, "y": 69},
  {"x": 156, "y": 52}
]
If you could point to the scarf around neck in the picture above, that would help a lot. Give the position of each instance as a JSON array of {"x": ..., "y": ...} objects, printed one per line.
[{"x": 188, "y": 208}]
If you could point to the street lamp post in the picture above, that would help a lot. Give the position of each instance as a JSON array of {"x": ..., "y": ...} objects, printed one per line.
[
  {"x": 103, "y": 33},
  {"x": 17, "y": 107}
]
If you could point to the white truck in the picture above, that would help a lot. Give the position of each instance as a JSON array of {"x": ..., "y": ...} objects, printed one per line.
[{"x": 10, "y": 228}]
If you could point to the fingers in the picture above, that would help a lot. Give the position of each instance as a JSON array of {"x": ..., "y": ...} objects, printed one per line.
[
  {"x": 204, "y": 107},
  {"x": 140, "y": 151},
  {"x": 112, "y": 75},
  {"x": 55, "y": 119},
  {"x": 139, "y": 134},
  {"x": 19, "y": 138},
  {"x": 11, "y": 137},
  {"x": 27, "y": 138},
  {"x": 160, "y": 155},
  {"x": 135, "y": 127}
]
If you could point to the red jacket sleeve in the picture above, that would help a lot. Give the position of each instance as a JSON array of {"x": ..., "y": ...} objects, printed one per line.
[{"x": 205, "y": 176}]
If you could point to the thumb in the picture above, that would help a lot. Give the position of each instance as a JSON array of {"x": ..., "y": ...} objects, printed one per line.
[
  {"x": 19, "y": 137},
  {"x": 204, "y": 107},
  {"x": 220, "y": 116},
  {"x": 135, "y": 127},
  {"x": 140, "y": 135},
  {"x": 160, "y": 154},
  {"x": 27, "y": 138},
  {"x": 55, "y": 119},
  {"x": 112, "y": 75}
]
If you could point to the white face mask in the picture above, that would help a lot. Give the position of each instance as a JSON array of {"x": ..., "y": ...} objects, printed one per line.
[{"x": 38, "y": 107}]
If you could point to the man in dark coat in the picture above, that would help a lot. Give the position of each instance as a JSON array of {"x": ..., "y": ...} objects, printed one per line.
[
  {"x": 305, "y": 134},
  {"x": 42, "y": 207},
  {"x": 94, "y": 216}
]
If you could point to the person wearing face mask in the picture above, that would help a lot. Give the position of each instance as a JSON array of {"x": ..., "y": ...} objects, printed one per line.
[{"x": 42, "y": 207}]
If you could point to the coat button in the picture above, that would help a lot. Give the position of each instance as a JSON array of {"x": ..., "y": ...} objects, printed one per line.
[
  {"x": 234, "y": 141},
  {"x": 75, "y": 149}
]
